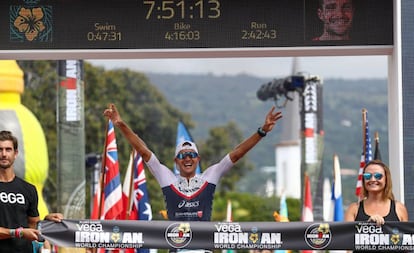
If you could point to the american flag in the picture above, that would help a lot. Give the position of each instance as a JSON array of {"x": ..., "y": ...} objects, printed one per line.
[
  {"x": 110, "y": 200},
  {"x": 358, "y": 188},
  {"x": 136, "y": 198},
  {"x": 366, "y": 154}
]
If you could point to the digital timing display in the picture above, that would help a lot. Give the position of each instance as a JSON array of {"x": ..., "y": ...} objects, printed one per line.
[
  {"x": 158, "y": 24},
  {"x": 183, "y": 9}
]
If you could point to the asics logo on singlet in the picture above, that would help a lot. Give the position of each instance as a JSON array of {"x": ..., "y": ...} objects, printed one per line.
[
  {"x": 12, "y": 198},
  {"x": 184, "y": 203}
]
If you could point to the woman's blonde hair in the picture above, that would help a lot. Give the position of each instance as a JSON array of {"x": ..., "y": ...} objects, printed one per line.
[{"x": 388, "y": 182}]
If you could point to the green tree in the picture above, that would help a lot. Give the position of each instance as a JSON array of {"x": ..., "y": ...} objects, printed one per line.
[
  {"x": 151, "y": 116},
  {"x": 222, "y": 140},
  {"x": 40, "y": 96},
  {"x": 140, "y": 104},
  {"x": 250, "y": 207}
]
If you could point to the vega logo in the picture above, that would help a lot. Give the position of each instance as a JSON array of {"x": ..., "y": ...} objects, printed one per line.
[
  {"x": 228, "y": 227},
  {"x": 12, "y": 198},
  {"x": 90, "y": 227}
]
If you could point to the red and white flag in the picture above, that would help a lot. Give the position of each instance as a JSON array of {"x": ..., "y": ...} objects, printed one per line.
[
  {"x": 358, "y": 189},
  {"x": 108, "y": 203},
  {"x": 307, "y": 209}
]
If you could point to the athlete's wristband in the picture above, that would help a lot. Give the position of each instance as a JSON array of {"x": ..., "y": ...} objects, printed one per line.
[
  {"x": 12, "y": 232},
  {"x": 18, "y": 232},
  {"x": 261, "y": 132}
]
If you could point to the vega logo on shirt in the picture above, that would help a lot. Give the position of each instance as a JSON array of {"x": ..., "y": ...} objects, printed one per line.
[{"x": 12, "y": 198}]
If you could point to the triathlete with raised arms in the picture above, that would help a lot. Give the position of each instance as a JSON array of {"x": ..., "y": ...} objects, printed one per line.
[{"x": 189, "y": 197}]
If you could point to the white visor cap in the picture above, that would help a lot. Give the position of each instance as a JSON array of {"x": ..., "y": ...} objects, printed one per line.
[{"x": 185, "y": 145}]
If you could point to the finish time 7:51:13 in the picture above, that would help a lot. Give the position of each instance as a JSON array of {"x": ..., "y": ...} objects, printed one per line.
[{"x": 182, "y": 9}]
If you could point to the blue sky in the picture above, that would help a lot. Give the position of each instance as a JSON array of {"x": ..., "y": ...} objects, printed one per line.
[{"x": 349, "y": 67}]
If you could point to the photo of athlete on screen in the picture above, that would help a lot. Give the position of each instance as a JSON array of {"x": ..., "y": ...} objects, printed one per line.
[{"x": 337, "y": 17}]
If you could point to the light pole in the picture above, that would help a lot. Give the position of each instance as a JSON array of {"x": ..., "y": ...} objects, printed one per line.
[{"x": 308, "y": 148}]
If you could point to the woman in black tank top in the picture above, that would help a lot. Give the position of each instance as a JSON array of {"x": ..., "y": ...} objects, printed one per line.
[
  {"x": 378, "y": 204},
  {"x": 391, "y": 216}
]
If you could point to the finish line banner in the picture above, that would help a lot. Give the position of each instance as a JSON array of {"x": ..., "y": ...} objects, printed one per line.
[{"x": 122, "y": 234}]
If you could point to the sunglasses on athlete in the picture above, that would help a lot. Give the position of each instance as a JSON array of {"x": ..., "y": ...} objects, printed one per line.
[
  {"x": 376, "y": 175},
  {"x": 185, "y": 154}
]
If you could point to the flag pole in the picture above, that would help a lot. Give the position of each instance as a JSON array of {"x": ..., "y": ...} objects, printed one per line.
[
  {"x": 364, "y": 122},
  {"x": 377, "y": 153},
  {"x": 102, "y": 178},
  {"x": 364, "y": 141},
  {"x": 364, "y": 147},
  {"x": 131, "y": 184}
]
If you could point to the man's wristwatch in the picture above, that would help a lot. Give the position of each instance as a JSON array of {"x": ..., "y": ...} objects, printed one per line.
[{"x": 261, "y": 132}]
